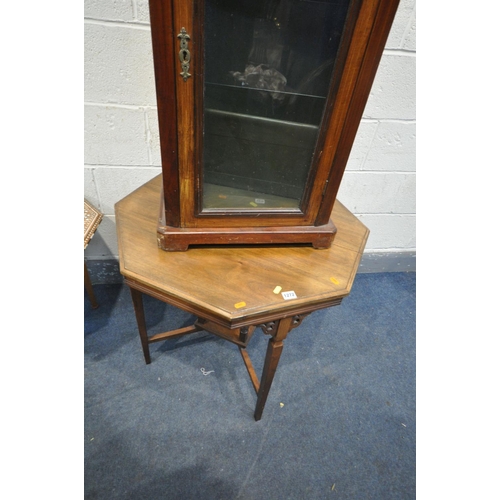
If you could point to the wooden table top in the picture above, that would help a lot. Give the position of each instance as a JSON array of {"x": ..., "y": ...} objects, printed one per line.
[{"x": 235, "y": 285}]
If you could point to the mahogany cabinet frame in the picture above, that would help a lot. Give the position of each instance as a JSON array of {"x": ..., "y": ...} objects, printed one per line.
[{"x": 182, "y": 222}]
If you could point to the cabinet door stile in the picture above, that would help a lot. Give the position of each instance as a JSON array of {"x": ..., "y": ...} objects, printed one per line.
[{"x": 183, "y": 29}]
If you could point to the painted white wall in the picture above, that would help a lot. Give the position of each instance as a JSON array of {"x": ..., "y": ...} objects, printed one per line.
[{"x": 122, "y": 149}]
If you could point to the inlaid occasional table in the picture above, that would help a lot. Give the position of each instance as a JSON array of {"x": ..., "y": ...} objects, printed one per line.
[{"x": 234, "y": 291}]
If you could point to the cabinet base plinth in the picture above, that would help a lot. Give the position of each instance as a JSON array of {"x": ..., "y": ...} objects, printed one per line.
[{"x": 176, "y": 239}]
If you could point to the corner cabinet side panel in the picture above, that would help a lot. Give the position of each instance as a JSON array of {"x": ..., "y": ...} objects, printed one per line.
[{"x": 162, "y": 25}]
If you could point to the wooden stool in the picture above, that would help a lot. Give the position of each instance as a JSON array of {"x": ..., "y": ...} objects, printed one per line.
[{"x": 91, "y": 219}]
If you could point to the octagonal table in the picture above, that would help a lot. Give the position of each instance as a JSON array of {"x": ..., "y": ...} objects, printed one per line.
[{"x": 234, "y": 290}]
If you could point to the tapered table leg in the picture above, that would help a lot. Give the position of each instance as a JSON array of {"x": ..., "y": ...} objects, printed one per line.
[
  {"x": 141, "y": 322},
  {"x": 274, "y": 349}
]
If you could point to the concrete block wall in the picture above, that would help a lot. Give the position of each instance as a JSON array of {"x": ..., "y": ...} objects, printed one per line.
[{"x": 122, "y": 140}]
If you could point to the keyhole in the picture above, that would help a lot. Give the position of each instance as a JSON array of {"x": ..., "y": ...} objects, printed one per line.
[{"x": 184, "y": 55}]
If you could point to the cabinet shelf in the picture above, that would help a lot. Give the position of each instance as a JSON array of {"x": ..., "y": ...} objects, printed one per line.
[{"x": 270, "y": 91}]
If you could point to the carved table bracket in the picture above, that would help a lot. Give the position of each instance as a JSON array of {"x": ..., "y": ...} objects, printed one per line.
[{"x": 271, "y": 327}]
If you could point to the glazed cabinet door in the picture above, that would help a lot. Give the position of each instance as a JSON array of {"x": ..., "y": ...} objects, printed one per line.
[
  {"x": 259, "y": 102},
  {"x": 253, "y": 87}
]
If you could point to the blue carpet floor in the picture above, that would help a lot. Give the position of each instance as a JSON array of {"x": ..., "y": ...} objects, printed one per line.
[{"x": 339, "y": 422}]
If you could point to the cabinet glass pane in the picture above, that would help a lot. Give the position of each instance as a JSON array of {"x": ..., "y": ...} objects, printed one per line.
[{"x": 268, "y": 65}]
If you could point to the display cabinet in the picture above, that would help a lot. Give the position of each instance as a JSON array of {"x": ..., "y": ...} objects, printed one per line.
[{"x": 259, "y": 102}]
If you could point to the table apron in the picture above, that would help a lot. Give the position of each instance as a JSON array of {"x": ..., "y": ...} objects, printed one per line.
[{"x": 250, "y": 320}]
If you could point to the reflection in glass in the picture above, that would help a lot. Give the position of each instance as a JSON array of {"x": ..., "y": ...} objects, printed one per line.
[{"x": 268, "y": 65}]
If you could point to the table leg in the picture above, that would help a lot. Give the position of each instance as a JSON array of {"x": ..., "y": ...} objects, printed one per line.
[
  {"x": 89, "y": 288},
  {"x": 274, "y": 349},
  {"x": 141, "y": 322}
]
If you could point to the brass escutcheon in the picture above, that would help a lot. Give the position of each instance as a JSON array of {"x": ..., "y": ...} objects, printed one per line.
[{"x": 184, "y": 54}]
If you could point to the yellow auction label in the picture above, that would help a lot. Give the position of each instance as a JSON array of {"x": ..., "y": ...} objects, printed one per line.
[
  {"x": 238, "y": 305},
  {"x": 277, "y": 290},
  {"x": 334, "y": 280}
]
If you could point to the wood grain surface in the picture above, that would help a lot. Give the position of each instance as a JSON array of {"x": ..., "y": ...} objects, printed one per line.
[{"x": 235, "y": 286}]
